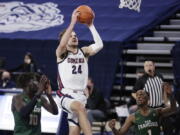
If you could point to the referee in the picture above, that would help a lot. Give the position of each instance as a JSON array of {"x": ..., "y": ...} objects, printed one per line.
[{"x": 151, "y": 82}]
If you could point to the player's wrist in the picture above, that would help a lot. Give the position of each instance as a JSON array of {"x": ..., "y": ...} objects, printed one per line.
[
  {"x": 72, "y": 24},
  {"x": 48, "y": 94},
  {"x": 114, "y": 130},
  {"x": 38, "y": 93},
  {"x": 91, "y": 26}
]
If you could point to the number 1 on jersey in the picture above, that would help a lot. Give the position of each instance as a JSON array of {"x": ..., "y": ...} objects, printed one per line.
[{"x": 76, "y": 69}]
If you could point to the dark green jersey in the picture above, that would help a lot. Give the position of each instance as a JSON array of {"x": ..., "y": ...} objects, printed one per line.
[
  {"x": 30, "y": 125},
  {"x": 147, "y": 125}
]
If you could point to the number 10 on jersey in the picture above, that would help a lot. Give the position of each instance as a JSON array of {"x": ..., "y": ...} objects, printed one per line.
[{"x": 76, "y": 69}]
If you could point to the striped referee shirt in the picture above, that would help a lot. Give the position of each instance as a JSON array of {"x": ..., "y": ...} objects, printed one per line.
[{"x": 153, "y": 85}]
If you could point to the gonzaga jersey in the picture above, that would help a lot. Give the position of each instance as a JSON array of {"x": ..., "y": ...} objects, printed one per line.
[{"x": 73, "y": 71}]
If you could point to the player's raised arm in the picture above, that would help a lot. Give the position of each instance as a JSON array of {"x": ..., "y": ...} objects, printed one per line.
[
  {"x": 97, "y": 46},
  {"x": 62, "y": 47},
  {"x": 169, "y": 109},
  {"x": 20, "y": 106},
  {"x": 128, "y": 123},
  {"x": 51, "y": 105},
  {"x": 112, "y": 124}
]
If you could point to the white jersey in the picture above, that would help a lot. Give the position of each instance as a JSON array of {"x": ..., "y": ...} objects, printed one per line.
[{"x": 73, "y": 71}]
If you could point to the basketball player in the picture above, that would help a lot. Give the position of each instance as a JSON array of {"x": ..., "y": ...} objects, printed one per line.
[
  {"x": 73, "y": 75},
  {"x": 26, "y": 107},
  {"x": 145, "y": 119}
]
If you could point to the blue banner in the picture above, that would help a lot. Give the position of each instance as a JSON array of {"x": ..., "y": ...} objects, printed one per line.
[{"x": 44, "y": 19}]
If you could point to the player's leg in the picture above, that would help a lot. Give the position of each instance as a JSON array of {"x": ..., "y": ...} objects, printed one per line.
[
  {"x": 74, "y": 130},
  {"x": 80, "y": 110},
  {"x": 71, "y": 105}
]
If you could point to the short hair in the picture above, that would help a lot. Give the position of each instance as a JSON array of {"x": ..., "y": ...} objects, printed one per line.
[
  {"x": 149, "y": 60},
  {"x": 30, "y": 56},
  {"x": 147, "y": 93},
  {"x": 24, "y": 79}
]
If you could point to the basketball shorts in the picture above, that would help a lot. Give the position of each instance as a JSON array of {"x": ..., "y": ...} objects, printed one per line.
[{"x": 65, "y": 101}]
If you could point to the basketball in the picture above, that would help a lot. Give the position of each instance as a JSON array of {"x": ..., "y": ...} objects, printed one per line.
[{"x": 86, "y": 14}]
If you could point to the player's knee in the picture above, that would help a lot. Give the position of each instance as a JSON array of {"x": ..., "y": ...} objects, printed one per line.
[{"x": 78, "y": 107}]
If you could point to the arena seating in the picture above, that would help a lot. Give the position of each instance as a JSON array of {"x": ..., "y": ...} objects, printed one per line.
[{"x": 156, "y": 44}]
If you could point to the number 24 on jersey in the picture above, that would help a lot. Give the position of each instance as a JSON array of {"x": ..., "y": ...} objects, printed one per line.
[{"x": 76, "y": 69}]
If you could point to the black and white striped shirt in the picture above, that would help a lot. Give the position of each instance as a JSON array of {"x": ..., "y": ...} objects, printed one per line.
[{"x": 153, "y": 85}]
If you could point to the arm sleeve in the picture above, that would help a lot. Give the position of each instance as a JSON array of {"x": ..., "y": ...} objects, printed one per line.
[
  {"x": 98, "y": 45},
  {"x": 138, "y": 85}
]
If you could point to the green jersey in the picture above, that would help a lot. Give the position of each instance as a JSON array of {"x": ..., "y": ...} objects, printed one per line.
[
  {"x": 31, "y": 125},
  {"x": 147, "y": 125}
]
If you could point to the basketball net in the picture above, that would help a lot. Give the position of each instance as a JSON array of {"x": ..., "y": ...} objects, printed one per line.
[{"x": 131, "y": 4}]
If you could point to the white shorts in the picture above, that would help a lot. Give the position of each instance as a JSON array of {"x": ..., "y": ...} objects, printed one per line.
[{"x": 65, "y": 101}]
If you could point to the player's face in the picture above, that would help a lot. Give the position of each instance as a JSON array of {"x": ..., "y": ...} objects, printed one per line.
[
  {"x": 149, "y": 67},
  {"x": 141, "y": 97},
  {"x": 73, "y": 40},
  {"x": 32, "y": 86}
]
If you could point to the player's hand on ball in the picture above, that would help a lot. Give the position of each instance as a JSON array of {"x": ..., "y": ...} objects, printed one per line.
[
  {"x": 74, "y": 16},
  {"x": 92, "y": 21},
  {"x": 112, "y": 123},
  {"x": 86, "y": 15}
]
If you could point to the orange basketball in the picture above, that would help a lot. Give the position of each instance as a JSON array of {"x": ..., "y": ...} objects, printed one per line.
[{"x": 86, "y": 14}]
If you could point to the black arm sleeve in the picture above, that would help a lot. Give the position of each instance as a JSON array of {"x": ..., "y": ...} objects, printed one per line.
[
  {"x": 27, "y": 109},
  {"x": 139, "y": 84}
]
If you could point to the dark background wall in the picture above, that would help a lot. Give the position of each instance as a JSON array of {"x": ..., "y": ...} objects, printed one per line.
[{"x": 102, "y": 66}]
